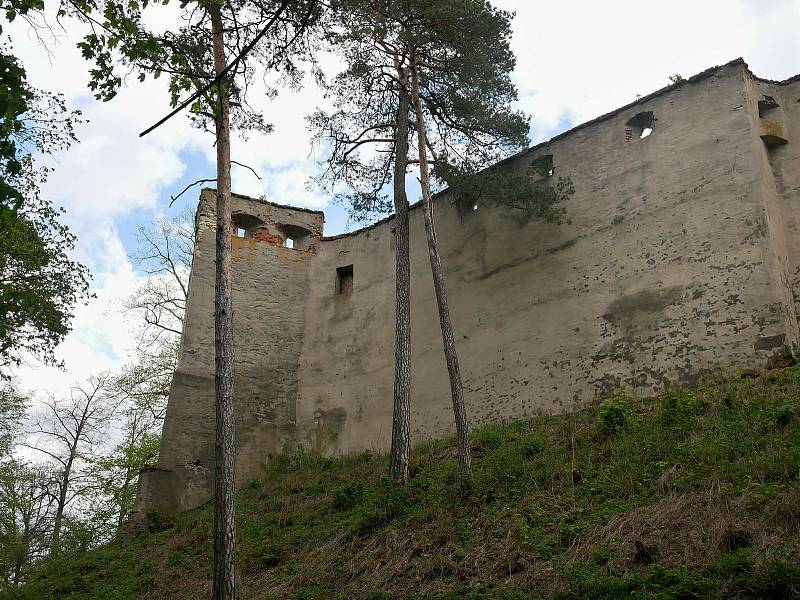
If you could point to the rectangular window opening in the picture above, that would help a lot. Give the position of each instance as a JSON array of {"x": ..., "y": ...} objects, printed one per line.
[
  {"x": 241, "y": 232},
  {"x": 344, "y": 280},
  {"x": 289, "y": 242}
]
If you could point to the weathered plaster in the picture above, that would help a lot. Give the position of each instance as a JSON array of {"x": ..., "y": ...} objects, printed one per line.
[{"x": 682, "y": 255}]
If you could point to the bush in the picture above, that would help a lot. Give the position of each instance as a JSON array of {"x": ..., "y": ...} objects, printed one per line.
[
  {"x": 156, "y": 523},
  {"x": 178, "y": 558},
  {"x": 488, "y": 438},
  {"x": 347, "y": 496},
  {"x": 315, "y": 489},
  {"x": 531, "y": 446},
  {"x": 775, "y": 580},
  {"x": 385, "y": 502},
  {"x": 676, "y": 407},
  {"x": 615, "y": 415}
]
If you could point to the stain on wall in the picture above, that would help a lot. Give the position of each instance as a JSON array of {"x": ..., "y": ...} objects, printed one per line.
[{"x": 682, "y": 254}]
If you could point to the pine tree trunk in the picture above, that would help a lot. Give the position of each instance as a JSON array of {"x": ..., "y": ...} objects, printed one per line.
[
  {"x": 448, "y": 340},
  {"x": 401, "y": 418},
  {"x": 224, "y": 586}
]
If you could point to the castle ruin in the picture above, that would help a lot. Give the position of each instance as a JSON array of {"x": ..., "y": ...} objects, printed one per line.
[{"x": 682, "y": 255}]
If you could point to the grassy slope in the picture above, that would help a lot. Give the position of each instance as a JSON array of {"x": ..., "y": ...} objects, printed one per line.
[{"x": 693, "y": 494}]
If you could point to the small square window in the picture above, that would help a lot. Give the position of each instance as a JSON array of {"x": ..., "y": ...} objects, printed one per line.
[
  {"x": 344, "y": 280},
  {"x": 241, "y": 232},
  {"x": 289, "y": 242}
]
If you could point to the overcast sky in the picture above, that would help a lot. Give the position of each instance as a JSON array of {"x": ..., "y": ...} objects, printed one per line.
[{"x": 576, "y": 60}]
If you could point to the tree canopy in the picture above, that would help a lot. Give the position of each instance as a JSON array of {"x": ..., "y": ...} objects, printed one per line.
[{"x": 40, "y": 283}]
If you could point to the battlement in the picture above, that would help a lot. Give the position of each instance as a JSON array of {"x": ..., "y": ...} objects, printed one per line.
[{"x": 682, "y": 254}]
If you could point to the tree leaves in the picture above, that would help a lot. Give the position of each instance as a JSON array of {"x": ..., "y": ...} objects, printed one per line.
[{"x": 39, "y": 283}]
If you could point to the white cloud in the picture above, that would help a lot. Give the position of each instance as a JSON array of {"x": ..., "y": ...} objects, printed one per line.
[
  {"x": 101, "y": 338},
  {"x": 576, "y": 60},
  {"x": 580, "y": 59}
]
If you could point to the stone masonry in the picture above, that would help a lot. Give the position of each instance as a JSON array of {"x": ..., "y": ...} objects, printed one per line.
[{"x": 681, "y": 259}]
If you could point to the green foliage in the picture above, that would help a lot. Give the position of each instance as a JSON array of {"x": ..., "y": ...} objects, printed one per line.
[
  {"x": 39, "y": 284},
  {"x": 554, "y": 511},
  {"x": 527, "y": 197},
  {"x": 315, "y": 489},
  {"x": 679, "y": 407},
  {"x": 347, "y": 496},
  {"x": 26, "y": 496},
  {"x": 16, "y": 97},
  {"x": 657, "y": 584},
  {"x": 12, "y": 408},
  {"x": 614, "y": 415},
  {"x": 461, "y": 50},
  {"x": 178, "y": 558},
  {"x": 121, "y": 44}
]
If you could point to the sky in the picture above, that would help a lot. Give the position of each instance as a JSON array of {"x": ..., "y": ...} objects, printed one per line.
[{"x": 576, "y": 60}]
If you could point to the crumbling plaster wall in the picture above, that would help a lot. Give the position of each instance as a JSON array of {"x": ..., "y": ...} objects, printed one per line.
[
  {"x": 782, "y": 164},
  {"x": 682, "y": 256},
  {"x": 270, "y": 284},
  {"x": 667, "y": 271}
]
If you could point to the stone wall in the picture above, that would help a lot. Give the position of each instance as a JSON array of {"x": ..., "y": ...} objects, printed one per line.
[
  {"x": 270, "y": 284},
  {"x": 681, "y": 257}
]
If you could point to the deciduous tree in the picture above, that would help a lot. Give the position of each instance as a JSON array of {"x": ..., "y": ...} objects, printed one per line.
[
  {"x": 27, "y": 496},
  {"x": 39, "y": 283},
  {"x": 69, "y": 431}
]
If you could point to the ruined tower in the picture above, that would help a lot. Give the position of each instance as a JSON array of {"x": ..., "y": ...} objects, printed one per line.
[{"x": 682, "y": 255}]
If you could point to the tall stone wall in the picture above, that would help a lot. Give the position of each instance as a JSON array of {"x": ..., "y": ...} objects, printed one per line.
[
  {"x": 270, "y": 284},
  {"x": 681, "y": 256}
]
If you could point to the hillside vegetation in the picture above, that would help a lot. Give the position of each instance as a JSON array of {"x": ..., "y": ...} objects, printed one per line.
[{"x": 694, "y": 494}]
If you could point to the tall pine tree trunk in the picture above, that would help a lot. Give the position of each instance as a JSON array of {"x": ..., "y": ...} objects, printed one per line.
[
  {"x": 401, "y": 418},
  {"x": 448, "y": 340},
  {"x": 224, "y": 586}
]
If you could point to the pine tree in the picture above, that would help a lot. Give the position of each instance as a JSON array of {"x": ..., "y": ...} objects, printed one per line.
[
  {"x": 212, "y": 52},
  {"x": 445, "y": 67}
]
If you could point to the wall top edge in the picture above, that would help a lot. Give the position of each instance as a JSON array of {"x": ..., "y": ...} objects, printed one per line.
[
  {"x": 267, "y": 202},
  {"x": 705, "y": 74}
]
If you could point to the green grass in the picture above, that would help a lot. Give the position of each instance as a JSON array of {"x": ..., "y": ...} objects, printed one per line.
[{"x": 694, "y": 494}]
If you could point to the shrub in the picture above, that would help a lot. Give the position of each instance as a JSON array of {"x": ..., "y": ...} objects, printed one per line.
[
  {"x": 615, "y": 414},
  {"x": 178, "y": 558},
  {"x": 488, "y": 438},
  {"x": 386, "y": 501},
  {"x": 676, "y": 407},
  {"x": 531, "y": 446},
  {"x": 315, "y": 489},
  {"x": 156, "y": 523},
  {"x": 348, "y": 496},
  {"x": 775, "y": 580}
]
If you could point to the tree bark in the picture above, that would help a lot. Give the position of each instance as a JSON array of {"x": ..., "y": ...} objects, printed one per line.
[
  {"x": 448, "y": 340},
  {"x": 224, "y": 586},
  {"x": 61, "y": 504},
  {"x": 401, "y": 419}
]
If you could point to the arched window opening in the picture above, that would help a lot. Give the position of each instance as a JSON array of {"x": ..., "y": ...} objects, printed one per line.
[
  {"x": 766, "y": 104},
  {"x": 244, "y": 225},
  {"x": 640, "y": 126},
  {"x": 296, "y": 237}
]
